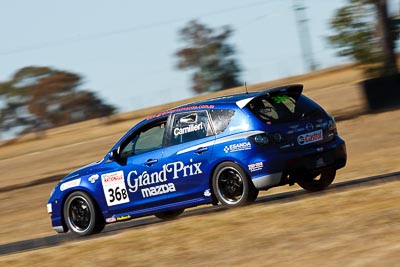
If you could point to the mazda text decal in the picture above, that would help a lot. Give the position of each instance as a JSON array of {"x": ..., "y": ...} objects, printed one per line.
[
  {"x": 158, "y": 190},
  {"x": 146, "y": 182}
]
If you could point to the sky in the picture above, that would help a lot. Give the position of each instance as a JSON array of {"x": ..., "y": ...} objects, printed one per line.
[{"x": 125, "y": 49}]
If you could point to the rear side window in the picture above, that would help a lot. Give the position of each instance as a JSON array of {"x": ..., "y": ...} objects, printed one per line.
[
  {"x": 221, "y": 119},
  {"x": 284, "y": 108}
]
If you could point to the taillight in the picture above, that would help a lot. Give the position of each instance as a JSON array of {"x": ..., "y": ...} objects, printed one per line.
[
  {"x": 332, "y": 126},
  {"x": 266, "y": 138},
  {"x": 260, "y": 139},
  {"x": 277, "y": 137}
]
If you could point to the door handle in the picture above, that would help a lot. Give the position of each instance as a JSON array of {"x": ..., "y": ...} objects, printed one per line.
[
  {"x": 150, "y": 162},
  {"x": 201, "y": 150}
]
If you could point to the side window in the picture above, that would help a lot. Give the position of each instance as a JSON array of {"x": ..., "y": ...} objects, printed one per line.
[
  {"x": 190, "y": 126},
  {"x": 221, "y": 119},
  {"x": 148, "y": 138}
]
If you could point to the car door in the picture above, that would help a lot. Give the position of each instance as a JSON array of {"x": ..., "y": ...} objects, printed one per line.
[
  {"x": 187, "y": 152},
  {"x": 137, "y": 168}
]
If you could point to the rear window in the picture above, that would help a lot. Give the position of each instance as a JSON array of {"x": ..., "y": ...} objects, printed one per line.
[{"x": 284, "y": 108}]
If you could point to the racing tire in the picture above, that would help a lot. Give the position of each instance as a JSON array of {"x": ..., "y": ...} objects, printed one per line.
[
  {"x": 314, "y": 183},
  {"x": 169, "y": 214},
  {"x": 231, "y": 185},
  {"x": 253, "y": 194},
  {"x": 81, "y": 214}
]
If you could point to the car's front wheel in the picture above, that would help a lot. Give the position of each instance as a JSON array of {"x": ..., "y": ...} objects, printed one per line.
[
  {"x": 81, "y": 214},
  {"x": 231, "y": 185},
  {"x": 318, "y": 182}
]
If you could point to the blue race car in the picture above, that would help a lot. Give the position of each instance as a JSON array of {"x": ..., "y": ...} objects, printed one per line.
[{"x": 222, "y": 150}]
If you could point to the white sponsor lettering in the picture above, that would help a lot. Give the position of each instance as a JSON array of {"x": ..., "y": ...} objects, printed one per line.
[
  {"x": 70, "y": 184},
  {"x": 114, "y": 188},
  {"x": 238, "y": 147},
  {"x": 207, "y": 193},
  {"x": 176, "y": 169},
  {"x": 158, "y": 190},
  {"x": 93, "y": 178},
  {"x": 188, "y": 129},
  {"x": 309, "y": 138},
  {"x": 111, "y": 220},
  {"x": 256, "y": 166}
]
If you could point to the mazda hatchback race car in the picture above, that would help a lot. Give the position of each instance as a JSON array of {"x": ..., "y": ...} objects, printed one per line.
[{"x": 222, "y": 150}]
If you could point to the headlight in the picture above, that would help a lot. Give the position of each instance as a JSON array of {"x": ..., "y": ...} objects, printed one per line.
[{"x": 52, "y": 191}]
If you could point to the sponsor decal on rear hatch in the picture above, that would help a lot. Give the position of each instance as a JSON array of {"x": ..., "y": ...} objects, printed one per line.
[{"x": 309, "y": 138}]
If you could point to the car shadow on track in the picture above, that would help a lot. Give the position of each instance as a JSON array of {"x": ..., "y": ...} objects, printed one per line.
[{"x": 112, "y": 229}]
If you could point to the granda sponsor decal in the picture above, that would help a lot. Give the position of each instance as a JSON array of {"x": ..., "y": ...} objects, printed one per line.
[{"x": 237, "y": 147}]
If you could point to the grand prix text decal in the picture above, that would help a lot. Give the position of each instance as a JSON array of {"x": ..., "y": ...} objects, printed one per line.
[{"x": 147, "y": 182}]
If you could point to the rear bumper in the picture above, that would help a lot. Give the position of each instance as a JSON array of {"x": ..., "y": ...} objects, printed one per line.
[
  {"x": 313, "y": 160},
  {"x": 333, "y": 156}
]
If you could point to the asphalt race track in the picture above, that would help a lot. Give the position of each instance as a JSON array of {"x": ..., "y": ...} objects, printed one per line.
[{"x": 112, "y": 229}]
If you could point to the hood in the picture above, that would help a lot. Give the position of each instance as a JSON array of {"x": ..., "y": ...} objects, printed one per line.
[{"x": 83, "y": 171}]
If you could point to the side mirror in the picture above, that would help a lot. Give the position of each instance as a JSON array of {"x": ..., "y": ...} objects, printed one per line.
[{"x": 114, "y": 155}]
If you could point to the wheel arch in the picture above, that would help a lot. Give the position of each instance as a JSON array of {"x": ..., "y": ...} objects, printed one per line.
[
  {"x": 84, "y": 190},
  {"x": 212, "y": 172}
]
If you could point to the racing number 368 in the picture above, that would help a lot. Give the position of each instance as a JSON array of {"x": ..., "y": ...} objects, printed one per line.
[{"x": 117, "y": 194}]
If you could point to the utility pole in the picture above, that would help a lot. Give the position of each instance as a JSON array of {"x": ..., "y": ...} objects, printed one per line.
[
  {"x": 304, "y": 34},
  {"x": 386, "y": 37}
]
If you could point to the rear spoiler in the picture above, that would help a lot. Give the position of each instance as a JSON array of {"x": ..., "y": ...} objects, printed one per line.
[{"x": 293, "y": 89}]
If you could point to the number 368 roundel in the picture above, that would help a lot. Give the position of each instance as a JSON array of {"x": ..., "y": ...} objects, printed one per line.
[{"x": 218, "y": 151}]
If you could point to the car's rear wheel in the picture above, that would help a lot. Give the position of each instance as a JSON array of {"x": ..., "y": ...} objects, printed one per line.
[
  {"x": 81, "y": 214},
  {"x": 318, "y": 182},
  {"x": 169, "y": 215},
  {"x": 231, "y": 185}
]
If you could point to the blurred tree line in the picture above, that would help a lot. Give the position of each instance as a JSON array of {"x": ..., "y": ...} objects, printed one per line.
[
  {"x": 37, "y": 98},
  {"x": 210, "y": 56},
  {"x": 365, "y": 32}
]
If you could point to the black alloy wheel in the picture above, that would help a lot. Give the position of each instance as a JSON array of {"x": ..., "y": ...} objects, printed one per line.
[
  {"x": 80, "y": 214},
  {"x": 231, "y": 185}
]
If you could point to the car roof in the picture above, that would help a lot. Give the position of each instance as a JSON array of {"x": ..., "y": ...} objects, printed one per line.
[
  {"x": 239, "y": 100},
  {"x": 235, "y": 98}
]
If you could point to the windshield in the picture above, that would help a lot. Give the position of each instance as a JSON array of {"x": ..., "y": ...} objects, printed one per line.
[{"x": 284, "y": 108}]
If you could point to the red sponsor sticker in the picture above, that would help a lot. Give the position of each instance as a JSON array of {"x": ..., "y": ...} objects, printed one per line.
[{"x": 309, "y": 138}]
